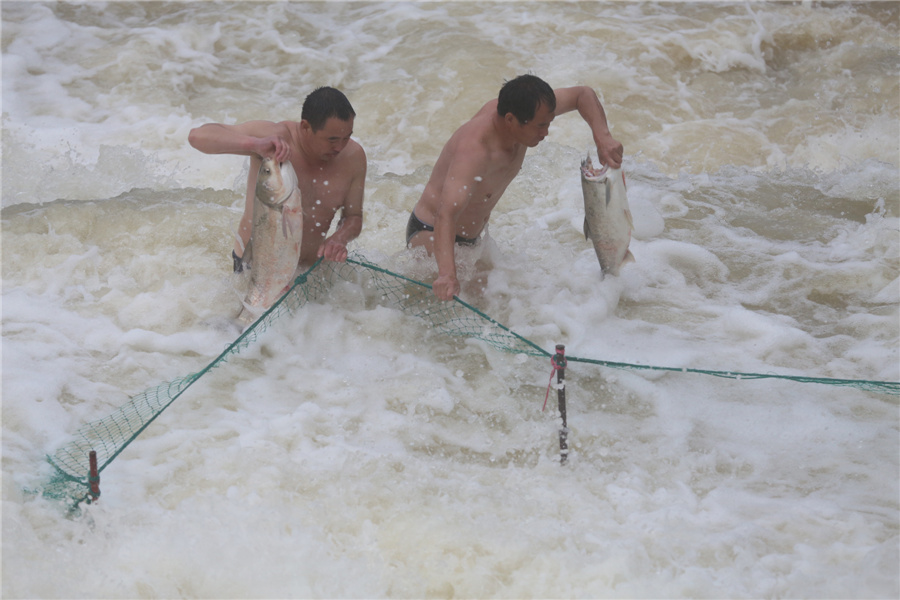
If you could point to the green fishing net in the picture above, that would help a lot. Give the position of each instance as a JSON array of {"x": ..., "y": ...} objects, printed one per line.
[{"x": 110, "y": 435}]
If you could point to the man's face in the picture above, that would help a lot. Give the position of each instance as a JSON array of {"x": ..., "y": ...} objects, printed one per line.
[
  {"x": 328, "y": 142},
  {"x": 534, "y": 131}
]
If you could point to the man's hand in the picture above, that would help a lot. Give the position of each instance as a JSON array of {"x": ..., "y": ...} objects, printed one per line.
[
  {"x": 333, "y": 250},
  {"x": 610, "y": 152},
  {"x": 274, "y": 146},
  {"x": 445, "y": 287}
]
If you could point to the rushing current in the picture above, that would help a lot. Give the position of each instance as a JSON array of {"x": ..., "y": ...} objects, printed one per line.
[{"x": 355, "y": 453}]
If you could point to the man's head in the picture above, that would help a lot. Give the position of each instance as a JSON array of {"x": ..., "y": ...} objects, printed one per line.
[
  {"x": 522, "y": 96},
  {"x": 323, "y": 104},
  {"x": 527, "y": 105},
  {"x": 326, "y": 123}
]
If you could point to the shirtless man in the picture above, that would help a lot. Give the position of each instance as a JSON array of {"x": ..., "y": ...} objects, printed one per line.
[
  {"x": 483, "y": 156},
  {"x": 330, "y": 167}
]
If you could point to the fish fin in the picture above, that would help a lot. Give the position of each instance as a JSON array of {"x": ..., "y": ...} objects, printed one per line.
[
  {"x": 292, "y": 215},
  {"x": 608, "y": 191},
  {"x": 291, "y": 222},
  {"x": 628, "y": 216},
  {"x": 247, "y": 256},
  {"x": 587, "y": 229},
  {"x": 629, "y": 257},
  {"x": 240, "y": 242}
]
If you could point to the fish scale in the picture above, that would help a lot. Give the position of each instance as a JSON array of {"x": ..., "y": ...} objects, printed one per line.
[{"x": 607, "y": 219}]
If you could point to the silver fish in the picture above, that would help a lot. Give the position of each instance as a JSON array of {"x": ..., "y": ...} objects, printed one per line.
[
  {"x": 607, "y": 220},
  {"x": 275, "y": 238}
]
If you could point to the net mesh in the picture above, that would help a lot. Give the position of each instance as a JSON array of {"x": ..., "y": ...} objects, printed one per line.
[{"x": 109, "y": 435}]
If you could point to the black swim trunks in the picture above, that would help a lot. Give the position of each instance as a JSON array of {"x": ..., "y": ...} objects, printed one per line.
[{"x": 414, "y": 226}]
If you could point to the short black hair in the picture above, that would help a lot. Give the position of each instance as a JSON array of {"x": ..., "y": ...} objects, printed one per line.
[
  {"x": 521, "y": 97},
  {"x": 324, "y": 103}
]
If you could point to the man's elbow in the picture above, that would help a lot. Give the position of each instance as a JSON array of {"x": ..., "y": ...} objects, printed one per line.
[
  {"x": 357, "y": 225},
  {"x": 195, "y": 138},
  {"x": 587, "y": 96}
]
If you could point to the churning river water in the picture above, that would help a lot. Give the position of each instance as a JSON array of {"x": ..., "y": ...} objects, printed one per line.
[{"x": 353, "y": 452}]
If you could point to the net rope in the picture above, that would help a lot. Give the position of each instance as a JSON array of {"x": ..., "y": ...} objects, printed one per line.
[{"x": 110, "y": 435}]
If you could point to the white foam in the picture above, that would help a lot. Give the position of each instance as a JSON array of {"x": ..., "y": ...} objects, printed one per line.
[{"x": 352, "y": 450}]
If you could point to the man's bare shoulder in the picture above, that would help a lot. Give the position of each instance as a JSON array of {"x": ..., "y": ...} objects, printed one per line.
[
  {"x": 260, "y": 128},
  {"x": 286, "y": 129},
  {"x": 474, "y": 135},
  {"x": 354, "y": 157},
  {"x": 490, "y": 107}
]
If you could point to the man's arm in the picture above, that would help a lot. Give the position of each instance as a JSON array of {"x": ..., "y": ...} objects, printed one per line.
[
  {"x": 262, "y": 138},
  {"x": 350, "y": 225},
  {"x": 585, "y": 101},
  {"x": 460, "y": 186}
]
